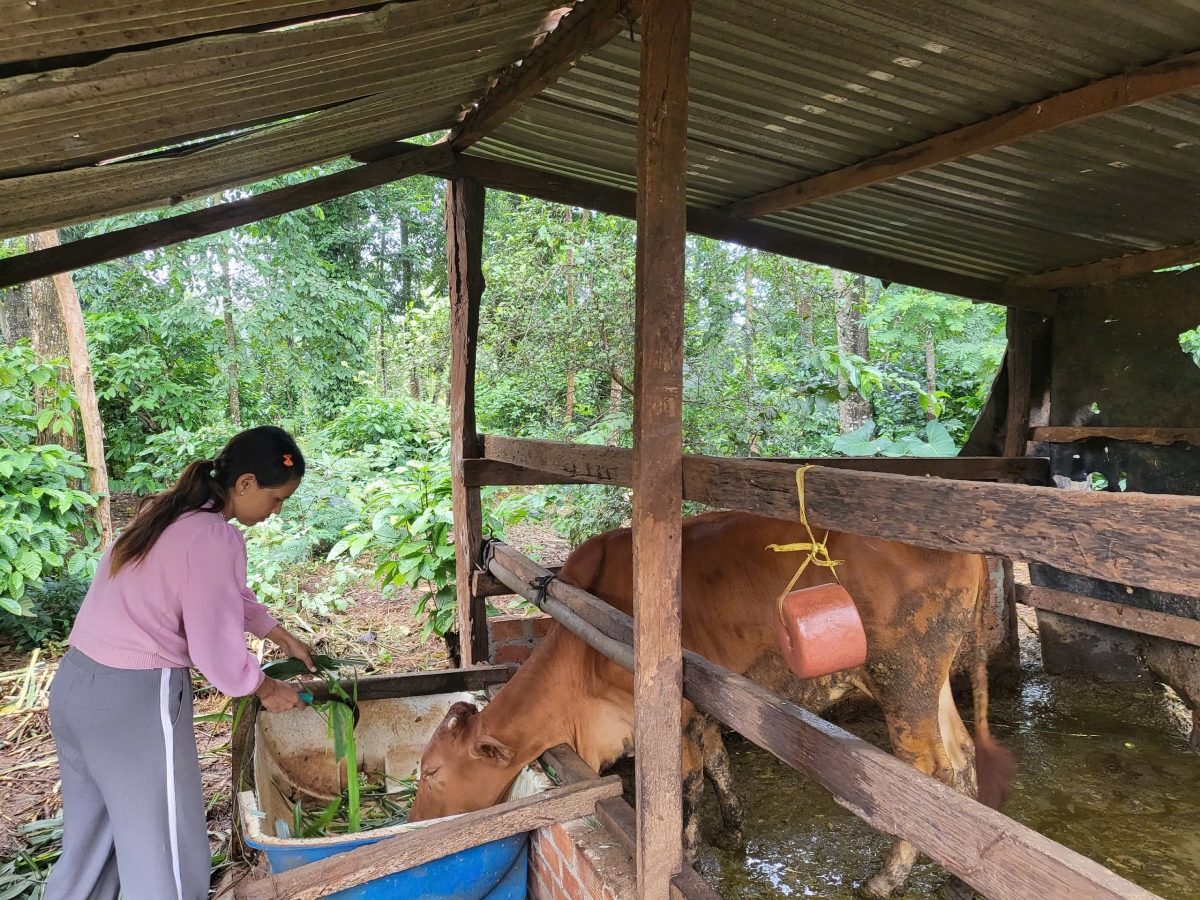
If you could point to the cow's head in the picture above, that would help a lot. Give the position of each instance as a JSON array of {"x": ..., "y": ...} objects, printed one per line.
[{"x": 462, "y": 769}]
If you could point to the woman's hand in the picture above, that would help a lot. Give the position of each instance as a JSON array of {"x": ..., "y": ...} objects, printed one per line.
[
  {"x": 277, "y": 696},
  {"x": 292, "y": 646}
]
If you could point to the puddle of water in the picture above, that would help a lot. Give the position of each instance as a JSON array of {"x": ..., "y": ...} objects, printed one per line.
[{"x": 1103, "y": 769}]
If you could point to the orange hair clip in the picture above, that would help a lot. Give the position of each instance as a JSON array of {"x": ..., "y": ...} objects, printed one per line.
[{"x": 287, "y": 459}]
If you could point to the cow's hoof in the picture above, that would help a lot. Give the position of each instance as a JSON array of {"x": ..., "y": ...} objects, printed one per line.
[{"x": 882, "y": 887}]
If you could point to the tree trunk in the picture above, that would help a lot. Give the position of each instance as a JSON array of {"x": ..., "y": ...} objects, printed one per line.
[
  {"x": 930, "y": 371},
  {"x": 235, "y": 400},
  {"x": 849, "y": 295},
  {"x": 614, "y": 407},
  {"x": 406, "y": 274},
  {"x": 804, "y": 309},
  {"x": 569, "y": 411},
  {"x": 48, "y": 333},
  {"x": 14, "y": 314},
  {"x": 748, "y": 309}
]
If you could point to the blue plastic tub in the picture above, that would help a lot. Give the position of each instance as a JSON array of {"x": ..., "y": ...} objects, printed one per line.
[
  {"x": 492, "y": 871},
  {"x": 292, "y": 750}
]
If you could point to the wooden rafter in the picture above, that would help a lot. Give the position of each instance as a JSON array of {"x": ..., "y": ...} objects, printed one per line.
[
  {"x": 1096, "y": 99},
  {"x": 615, "y": 201},
  {"x": 214, "y": 219},
  {"x": 590, "y": 25},
  {"x": 45, "y": 30},
  {"x": 1113, "y": 269}
]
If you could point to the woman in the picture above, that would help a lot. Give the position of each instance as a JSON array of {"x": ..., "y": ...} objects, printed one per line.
[{"x": 169, "y": 594}]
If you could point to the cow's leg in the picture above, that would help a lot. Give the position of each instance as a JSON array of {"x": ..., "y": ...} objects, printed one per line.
[
  {"x": 720, "y": 773},
  {"x": 929, "y": 735},
  {"x": 693, "y": 785}
]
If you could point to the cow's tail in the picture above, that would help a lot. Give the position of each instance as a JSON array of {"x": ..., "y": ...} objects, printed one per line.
[{"x": 995, "y": 768}]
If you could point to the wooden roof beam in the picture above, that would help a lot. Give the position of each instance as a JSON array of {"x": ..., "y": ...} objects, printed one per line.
[
  {"x": 127, "y": 241},
  {"x": 1112, "y": 269},
  {"x": 588, "y": 26},
  {"x": 615, "y": 201},
  {"x": 1096, "y": 99}
]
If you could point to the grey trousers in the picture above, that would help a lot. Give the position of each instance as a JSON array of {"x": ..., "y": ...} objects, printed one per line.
[{"x": 133, "y": 807}]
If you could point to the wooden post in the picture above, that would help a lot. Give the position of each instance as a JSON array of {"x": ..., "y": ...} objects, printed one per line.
[
  {"x": 1020, "y": 364},
  {"x": 658, "y": 441},
  {"x": 464, "y": 259}
]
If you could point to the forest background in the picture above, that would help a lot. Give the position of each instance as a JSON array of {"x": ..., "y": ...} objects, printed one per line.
[{"x": 333, "y": 322}]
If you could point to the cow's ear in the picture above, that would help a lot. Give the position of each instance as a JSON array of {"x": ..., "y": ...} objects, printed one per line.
[
  {"x": 487, "y": 747},
  {"x": 456, "y": 717}
]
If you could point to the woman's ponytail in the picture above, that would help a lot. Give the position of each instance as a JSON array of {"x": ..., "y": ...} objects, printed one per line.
[{"x": 268, "y": 453}]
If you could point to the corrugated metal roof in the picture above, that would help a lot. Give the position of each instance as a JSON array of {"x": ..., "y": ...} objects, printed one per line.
[
  {"x": 781, "y": 90},
  {"x": 784, "y": 91}
]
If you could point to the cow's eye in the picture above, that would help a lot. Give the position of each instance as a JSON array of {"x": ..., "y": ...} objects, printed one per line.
[{"x": 429, "y": 773}]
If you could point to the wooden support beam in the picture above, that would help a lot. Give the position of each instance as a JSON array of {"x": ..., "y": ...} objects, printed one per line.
[
  {"x": 128, "y": 241},
  {"x": 418, "y": 684},
  {"x": 1130, "y": 618},
  {"x": 481, "y": 472},
  {"x": 1112, "y": 269},
  {"x": 588, "y": 26},
  {"x": 1163, "y": 437},
  {"x": 1019, "y": 327},
  {"x": 999, "y": 857},
  {"x": 610, "y": 465},
  {"x": 1147, "y": 540},
  {"x": 658, "y": 441},
  {"x": 414, "y": 848},
  {"x": 464, "y": 257},
  {"x": 617, "y": 202},
  {"x": 1096, "y": 99}
]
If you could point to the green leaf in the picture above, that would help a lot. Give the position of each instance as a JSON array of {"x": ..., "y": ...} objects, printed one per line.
[{"x": 939, "y": 439}]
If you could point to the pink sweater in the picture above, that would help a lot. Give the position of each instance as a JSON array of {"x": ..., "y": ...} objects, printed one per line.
[{"x": 186, "y": 603}]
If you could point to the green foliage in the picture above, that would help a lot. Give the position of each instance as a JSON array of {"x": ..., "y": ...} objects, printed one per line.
[
  {"x": 168, "y": 453},
  {"x": 53, "y": 606},
  {"x": 45, "y": 524},
  {"x": 862, "y": 442},
  {"x": 411, "y": 534},
  {"x": 1190, "y": 342},
  {"x": 409, "y": 424}
]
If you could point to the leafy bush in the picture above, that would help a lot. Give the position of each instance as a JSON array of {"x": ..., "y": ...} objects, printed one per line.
[
  {"x": 938, "y": 442},
  {"x": 368, "y": 420},
  {"x": 411, "y": 534},
  {"x": 45, "y": 525},
  {"x": 53, "y": 606},
  {"x": 167, "y": 454},
  {"x": 1190, "y": 342}
]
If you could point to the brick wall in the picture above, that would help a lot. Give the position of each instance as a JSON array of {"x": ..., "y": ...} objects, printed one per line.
[
  {"x": 512, "y": 638},
  {"x": 579, "y": 861}
]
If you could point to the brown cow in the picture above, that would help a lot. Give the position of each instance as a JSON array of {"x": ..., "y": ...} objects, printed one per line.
[{"x": 916, "y": 606}]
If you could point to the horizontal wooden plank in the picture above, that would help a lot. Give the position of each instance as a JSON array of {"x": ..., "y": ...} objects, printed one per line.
[
  {"x": 1118, "y": 267},
  {"x": 999, "y": 857},
  {"x": 1096, "y": 99},
  {"x": 42, "y": 30},
  {"x": 419, "y": 684},
  {"x": 1147, "y": 540},
  {"x": 128, "y": 241},
  {"x": 614, "y": 201},
  {"x": 56, "y": 199},
  {"x": 134, "y": 102},
  {"x": 483, "y": 472},
  {"x": 363, "y": 864},
  {"x": 1160, "y": 436},
  {"x": 1130, "y": 618}
]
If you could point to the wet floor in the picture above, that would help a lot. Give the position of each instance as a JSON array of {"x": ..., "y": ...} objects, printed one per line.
[{"x": 1103, "y": 769}]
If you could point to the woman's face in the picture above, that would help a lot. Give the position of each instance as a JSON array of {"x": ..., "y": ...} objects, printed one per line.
[{"x": 250, "y": 504}]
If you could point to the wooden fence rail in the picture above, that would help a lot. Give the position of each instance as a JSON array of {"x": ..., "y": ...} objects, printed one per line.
[
  {"x": 998, "y": 857},
  {"x": 1130, "y": 618},
  {"x": 1146, "y": 540}
]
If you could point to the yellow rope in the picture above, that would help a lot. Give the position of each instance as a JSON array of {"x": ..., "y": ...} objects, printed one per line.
[{"x": 818, "y": 555}]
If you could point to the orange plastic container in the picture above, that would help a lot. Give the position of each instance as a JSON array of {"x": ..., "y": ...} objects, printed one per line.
[{"x": 820, "y": 632}]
